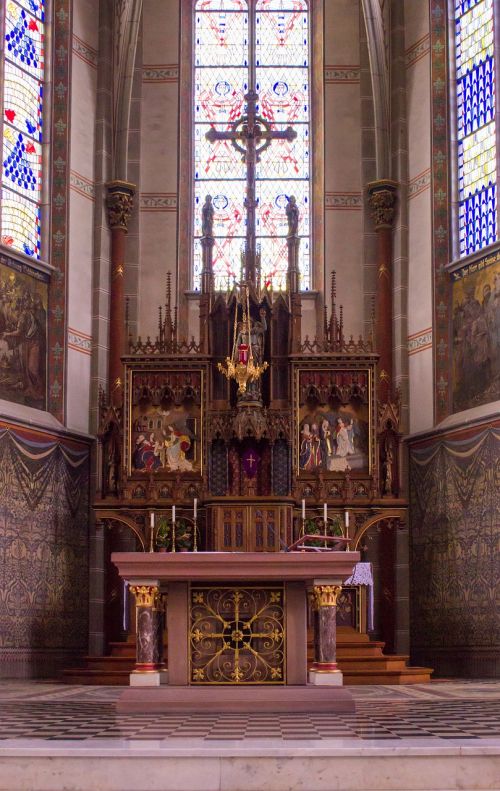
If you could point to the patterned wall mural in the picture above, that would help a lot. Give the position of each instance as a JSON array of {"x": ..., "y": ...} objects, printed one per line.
[
  {"x": 455, "y": 551},
  {"x": 44, "y": 506}
]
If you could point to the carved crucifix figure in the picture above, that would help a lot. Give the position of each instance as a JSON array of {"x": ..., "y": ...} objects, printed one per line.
[{"x": 251, "y": 134}]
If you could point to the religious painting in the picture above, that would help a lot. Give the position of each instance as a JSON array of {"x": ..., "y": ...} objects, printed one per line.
[
  {"x": 23, "y": 333},
  {"x": 166, "y": 422},
  {"x": 476, "y": 333},
  {"x": 333, "y": 426}
]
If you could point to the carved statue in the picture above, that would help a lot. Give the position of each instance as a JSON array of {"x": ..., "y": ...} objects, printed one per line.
[
  {"x": 292, "y": 213},
  {"x": 258, "y": 331},
  {"x": 207, "y": 217}
]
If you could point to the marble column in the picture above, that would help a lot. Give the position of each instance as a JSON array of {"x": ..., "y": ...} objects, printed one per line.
[
  {"x": 149, "y": 668},
  {"x": 382, "y": 200},
  {"x": 324, "y": 670},
  {"x": 119, "y": 204}
]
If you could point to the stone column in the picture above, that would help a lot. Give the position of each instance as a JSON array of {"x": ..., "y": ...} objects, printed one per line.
[
  {"x": 149, "y": 668},
  {"x": 382, "y": 199},
  {"x": 324, "y": 600},
  {"x": 119, "y": 204}
]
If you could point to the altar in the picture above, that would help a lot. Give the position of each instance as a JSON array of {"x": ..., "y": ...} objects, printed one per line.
[{"x": 239, "y": 620}]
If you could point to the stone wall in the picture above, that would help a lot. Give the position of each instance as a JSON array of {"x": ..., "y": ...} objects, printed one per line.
[{"x": 44, "y": 503}]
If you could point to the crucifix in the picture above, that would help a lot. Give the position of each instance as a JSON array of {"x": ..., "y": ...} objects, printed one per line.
[
  {"x": 251, "y": 460},
  {"x": 250, "y": 135}
]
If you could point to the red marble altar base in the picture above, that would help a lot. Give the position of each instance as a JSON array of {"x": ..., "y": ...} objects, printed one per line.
[{"x": 251, "y": 699}]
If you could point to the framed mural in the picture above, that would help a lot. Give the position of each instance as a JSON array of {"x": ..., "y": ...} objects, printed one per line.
[
  {"x": 476, "y": 333},
  {"x": 23, "y": 333},
  {"x": 333, "y": 421},
  {"x": 165, "y": 422}
]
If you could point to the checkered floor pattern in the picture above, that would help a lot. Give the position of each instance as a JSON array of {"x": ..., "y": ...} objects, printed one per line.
[{"x": 76, "y": 714}]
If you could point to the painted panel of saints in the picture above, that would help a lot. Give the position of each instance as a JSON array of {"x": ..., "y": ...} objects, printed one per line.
[
  {"x": 333, "y": 433},
  {"x": 23, "y": 334},
  {"x": 165, "y": 434},
  {"x": 476, "y": 333}
]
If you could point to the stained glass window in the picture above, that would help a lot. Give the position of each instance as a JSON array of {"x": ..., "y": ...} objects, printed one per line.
[
  {"x": 260, "y": 46},
  {"x": 476, "y": 124},
  {"x": 22, "y": 125}
]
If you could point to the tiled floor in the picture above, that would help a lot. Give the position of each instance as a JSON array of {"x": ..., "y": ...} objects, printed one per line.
[{"x": 439, "y": 711}]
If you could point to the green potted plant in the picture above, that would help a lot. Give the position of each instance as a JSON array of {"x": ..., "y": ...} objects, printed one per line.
[
  {"x": 163, "y": 534},
  {"x": 183, "y": 535}
]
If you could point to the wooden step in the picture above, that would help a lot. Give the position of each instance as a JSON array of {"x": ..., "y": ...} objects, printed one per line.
[
  {"x": 388, "y": 662},
  {"x": 409, "y": 675}
]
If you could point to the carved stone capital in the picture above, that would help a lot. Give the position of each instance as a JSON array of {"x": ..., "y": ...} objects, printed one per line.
[
  {"x": 326, "y": 595},
  {"x": 119, "y": 202},
  {"x": 145, "y": 595},
  {"x": 382, "y": 200}
]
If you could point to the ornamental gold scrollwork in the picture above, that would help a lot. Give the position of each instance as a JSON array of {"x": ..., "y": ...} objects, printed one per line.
[
  {"x": 237, "y": 635},
  {"x": 146, "y": 595},
  {"x": 326, "y": 595}
]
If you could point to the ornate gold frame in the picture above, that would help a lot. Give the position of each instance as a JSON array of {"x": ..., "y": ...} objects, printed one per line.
[{"x": 331, "y": 366}]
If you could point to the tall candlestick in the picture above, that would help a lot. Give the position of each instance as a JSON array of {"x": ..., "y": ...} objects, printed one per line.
[
  {"x": 303, "y": 509},
  {"x": 173, "y": 513},
  {"x": 195, "y": 507},
  {"x": 152, "y": 519},
  {"x": 325, "y": 513},
  {"x": 347, "y": 518}
]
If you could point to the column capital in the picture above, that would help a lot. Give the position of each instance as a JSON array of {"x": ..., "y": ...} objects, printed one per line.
[
  {"x": 326, "y": 595},
  {"x": 145, "y": 595},
  {"x": 382, "y": 196},
  {"x": 119, "y": 202}
]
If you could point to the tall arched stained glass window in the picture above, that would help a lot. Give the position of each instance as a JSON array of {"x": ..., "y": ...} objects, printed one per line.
[
  {"x": 476, "y": 124},
  {"x": 22, "y": 105},
  {"x": 251, "y": 60}
]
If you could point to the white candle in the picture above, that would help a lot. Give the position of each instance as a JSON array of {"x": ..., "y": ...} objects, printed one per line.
[
  {"x": 152, "y": 519},
  {"x": 303, "y": 509},
  {"x": 325, "y": 513},
  {"x": 195, "y": 507},
  {"x": 347, "y": 518},
  {"x": 173, "y": 513}
]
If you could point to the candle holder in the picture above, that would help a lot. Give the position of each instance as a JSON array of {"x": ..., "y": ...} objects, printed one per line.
[{"x": 173, "y": 535}]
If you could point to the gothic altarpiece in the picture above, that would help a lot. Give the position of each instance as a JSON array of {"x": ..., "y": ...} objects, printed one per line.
[{"x": 201, "y": 455}]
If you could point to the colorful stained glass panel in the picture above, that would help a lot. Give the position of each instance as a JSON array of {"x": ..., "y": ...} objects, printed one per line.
[
  {"x": 229, "y": 209},
  {"x": 282, "y": 39},
  {"x": 217, "y": 160},
  {"x": 462, "y": 6},
  {"x": 476, "y": 98},
  {"x": 219, "y": 95},
  {"x": 281, "y": 5},
  {"x": 274, "y": 262},
  {"x": 477, "y": 221},
  {"x": 273, "y": 198},
  {"x": 284, "y": 159},
  {"x": 22, "y": 163},
  {"x": 22, "y": 101},
  {"x": 221, "y": 5},
  {"x": 221, "y": 39},
  {"x": 283, "y": 95},
  {"x": 474, "y": 40},
  {"x": 20, "y": 223},
  {"x": 24, "y": 40},
  {"x": 477, "y": 160},
  {"x": 35, "y": 7}
]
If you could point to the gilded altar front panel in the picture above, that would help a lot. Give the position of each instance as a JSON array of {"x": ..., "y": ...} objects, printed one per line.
[{"x": 237, "y": 635}]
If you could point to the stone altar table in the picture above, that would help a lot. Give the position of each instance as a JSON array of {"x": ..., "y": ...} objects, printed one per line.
[{"x": 236, "y": 626}]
